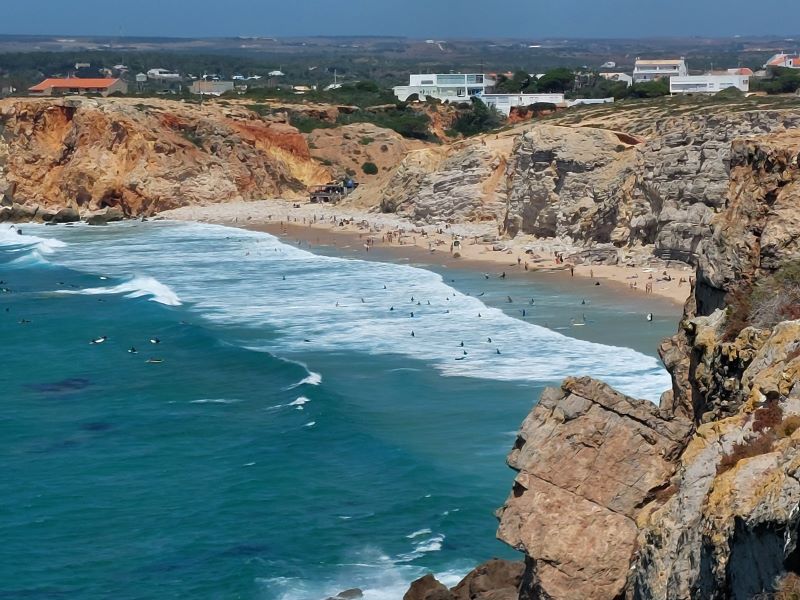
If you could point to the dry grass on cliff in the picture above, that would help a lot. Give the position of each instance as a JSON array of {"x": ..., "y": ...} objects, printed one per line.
[
  {"x": 772, "y": 299},
  {"x": 788, "y": 588},
  {"x": 770, "y": 425}
]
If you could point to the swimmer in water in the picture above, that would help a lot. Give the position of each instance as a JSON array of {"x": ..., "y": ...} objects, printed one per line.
[
  {"x": 412, "y": 333},
  {"x": 132, "y": 350},
  {"x": 649, "y": 316},
  {"x": 462, "y": 344}
]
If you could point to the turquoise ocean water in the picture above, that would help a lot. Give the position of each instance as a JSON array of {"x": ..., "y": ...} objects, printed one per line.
[{"x": 287, "y": 437}]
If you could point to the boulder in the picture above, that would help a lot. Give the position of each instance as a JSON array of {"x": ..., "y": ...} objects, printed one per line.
[
  {"x": 427, "y": 588},
  {"x": 66, "y": 215},
  {"x": 495, "y": 579},
  {"x": 103, "y": 217}
]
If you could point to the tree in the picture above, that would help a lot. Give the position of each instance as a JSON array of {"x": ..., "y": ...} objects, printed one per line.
[
  {"x": 649, "y": 89},
  {"x": 556, "y": 81},
  {"x": 370, "y": 168},
  {"x": 478, "y": 119},
  {"x": 518, "y": 82}
]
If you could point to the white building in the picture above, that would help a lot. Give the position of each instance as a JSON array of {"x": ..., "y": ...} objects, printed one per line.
[
  {"x": 708, "y": 84},
  {"x": 588, "y": 101},
  {"x": 453, "y": 87},
  {"x": 163, "y": 75},
  {"x": 211, "y": 87},
  {"x": 503, "y": 103},
  {"x": 651, "y": 69},
  {"x": 624, "y": 77}
]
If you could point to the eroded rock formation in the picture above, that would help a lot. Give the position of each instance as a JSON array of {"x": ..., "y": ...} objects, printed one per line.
[{"x": 144, "y": 156}]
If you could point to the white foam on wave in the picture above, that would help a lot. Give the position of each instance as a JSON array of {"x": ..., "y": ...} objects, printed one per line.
[
  {"x": 215, "y": 401},
  {"x": 311, "y": 379},
  {"x": 136, "y": 287},
  {"x": 251, "y": 279},
  {"x": 45, "y": 245},
  {"x": 418, "y": 533},
  {"x": 377, "y": 575}
]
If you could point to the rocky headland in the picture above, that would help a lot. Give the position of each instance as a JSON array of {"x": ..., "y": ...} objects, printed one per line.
[
  {"x": 78, "y": 156},
  {"x": 699, "y": 497}
]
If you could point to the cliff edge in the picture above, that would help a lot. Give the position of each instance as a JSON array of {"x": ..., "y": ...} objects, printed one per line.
[{"x": 699, "y": 497}]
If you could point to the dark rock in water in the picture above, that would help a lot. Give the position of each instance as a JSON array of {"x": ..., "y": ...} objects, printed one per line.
[
  {"x": 106, "y": 216},
  {"x": 496, "y": 579},
  {"x": 351, "y": 594},
  {"x": 427, "y": 588},
  {"x": 66, "y": 215},
  {"x": 71, "y": 384}
]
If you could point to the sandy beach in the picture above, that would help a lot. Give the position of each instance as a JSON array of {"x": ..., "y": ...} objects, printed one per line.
[{"x": 478, "y": 244}]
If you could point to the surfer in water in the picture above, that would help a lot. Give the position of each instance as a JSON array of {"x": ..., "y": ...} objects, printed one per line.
[{"x": 649, "y": 316}]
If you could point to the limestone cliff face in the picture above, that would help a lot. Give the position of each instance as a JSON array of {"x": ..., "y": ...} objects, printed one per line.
[
  {"x": 461, "y": 182},
  {"x": 654, "y": 181},
  {"x": 700, "y": 497},
  {"x": 145, "y": 156}
]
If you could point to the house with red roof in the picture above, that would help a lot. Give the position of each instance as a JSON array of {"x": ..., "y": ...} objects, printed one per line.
[
  {"x": 76, "y": 85},
  {"x": 788, "y": 61}
]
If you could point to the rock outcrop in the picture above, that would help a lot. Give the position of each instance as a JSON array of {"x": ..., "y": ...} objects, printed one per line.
[
  {"x": 143, "y": 156},
  {"x": 462, "y": 182},
  {"x": 699, "y": 497},
  {"x": 495, "y": 579},
  {"x": 654, "y": 181}
]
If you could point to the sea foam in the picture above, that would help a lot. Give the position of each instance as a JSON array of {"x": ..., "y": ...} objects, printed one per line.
[
  {"x": 330, "y": 304},
  {"x": 136, "y": 287}
]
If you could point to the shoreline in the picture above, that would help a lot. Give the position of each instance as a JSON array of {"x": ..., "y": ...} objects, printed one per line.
[{"x": 363, "y": 233}]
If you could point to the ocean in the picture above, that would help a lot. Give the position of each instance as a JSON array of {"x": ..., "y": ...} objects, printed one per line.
[{"x": 195, "y": 411}]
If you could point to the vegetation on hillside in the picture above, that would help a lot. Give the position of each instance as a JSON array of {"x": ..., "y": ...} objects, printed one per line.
[
  {"x": 769, "y": 301},
  {"x": 478, "y": 118}
]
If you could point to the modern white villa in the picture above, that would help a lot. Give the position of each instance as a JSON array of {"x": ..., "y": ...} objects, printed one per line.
[
  {"x": 503, "y": 103},
  {"x": 652, "y": 69},
  {"x": 452, "y": 87},
  {"x": 710, "y": 83}
]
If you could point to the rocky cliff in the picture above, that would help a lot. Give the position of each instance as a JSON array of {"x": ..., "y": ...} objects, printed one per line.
[
  {"x": 654, "y": 180},
  {"x": 615, "y": 497},
  {"x": 143, "y": 156}
]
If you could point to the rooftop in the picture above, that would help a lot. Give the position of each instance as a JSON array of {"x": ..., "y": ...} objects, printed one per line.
[
  {"x": 659, "y": 61},
  {"x": 73, "y": 83}
]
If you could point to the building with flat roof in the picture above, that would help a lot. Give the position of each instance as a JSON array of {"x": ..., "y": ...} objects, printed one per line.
[
  {"x": 450, "y": 87},
  {"x": 74, "y": 85},
  {"x": 653, "y": 69},
  {"x": 211, "y": 87},
  {"x": 503, "y": 103},
  {"x": 708, "y": 84}
]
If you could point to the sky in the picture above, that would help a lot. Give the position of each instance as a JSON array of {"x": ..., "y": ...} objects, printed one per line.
[{"x": 410, "y": 18}]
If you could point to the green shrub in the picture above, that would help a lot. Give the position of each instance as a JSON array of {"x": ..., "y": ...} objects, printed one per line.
[
  {"x": 366, "y": 141},
  {"x": 479, "y": 119},
  {"x": 306, "y": 124},
  {"x": 370, "y": 168}
]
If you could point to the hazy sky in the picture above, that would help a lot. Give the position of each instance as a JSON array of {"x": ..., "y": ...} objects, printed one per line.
[{"x": 413, "y": 18}]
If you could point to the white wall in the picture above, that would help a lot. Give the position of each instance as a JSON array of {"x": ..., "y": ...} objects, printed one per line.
[{"x": 707, "y": 84}]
